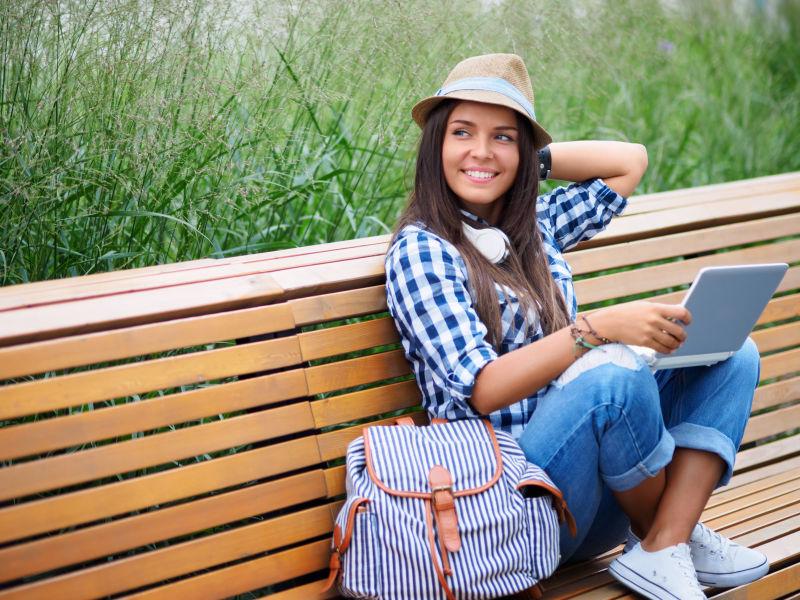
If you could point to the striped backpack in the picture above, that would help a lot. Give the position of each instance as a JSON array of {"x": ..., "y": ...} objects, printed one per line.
[{"x": 452, "y": 510}]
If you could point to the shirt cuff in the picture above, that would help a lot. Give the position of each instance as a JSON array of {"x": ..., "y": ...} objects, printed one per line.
[
  {"x": 461, "y": 380},
  {"x": 600, "y": 190}
]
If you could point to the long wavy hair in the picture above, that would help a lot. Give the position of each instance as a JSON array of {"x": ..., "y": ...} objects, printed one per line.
[{"x": 526, "y": 269}]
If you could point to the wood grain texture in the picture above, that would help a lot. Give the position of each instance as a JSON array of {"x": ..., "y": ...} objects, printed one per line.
[
  {"x": 154, "y": 526},
  {"x": 140, "y": 570},
  {"x": 147, "y": 415},
  {"x": 105, "y": 346},
  {"x": 65, "y": 470},
  {"x": 252, "y": 575},
  {"x": 682, "y": 244},
  {"x": 74, "y": 508},
  {"x": 116, "y": 382},
  {"x": 123, "y": 310}
]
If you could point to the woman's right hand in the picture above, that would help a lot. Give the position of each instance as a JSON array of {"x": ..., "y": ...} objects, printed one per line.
[{"x": 651, "y": 324}]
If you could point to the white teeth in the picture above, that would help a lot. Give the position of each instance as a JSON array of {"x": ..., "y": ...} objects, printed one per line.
[{"x": 480, "y": 174}]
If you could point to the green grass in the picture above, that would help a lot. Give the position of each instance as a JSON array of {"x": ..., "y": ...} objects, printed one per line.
[{"x": 136, "y": 133}]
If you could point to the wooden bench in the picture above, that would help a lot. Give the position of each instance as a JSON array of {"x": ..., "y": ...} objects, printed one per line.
[{"x": 178, "y": 431}]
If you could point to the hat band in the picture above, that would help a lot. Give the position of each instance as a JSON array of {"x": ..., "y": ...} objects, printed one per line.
[{"x": 489, "y": 84}]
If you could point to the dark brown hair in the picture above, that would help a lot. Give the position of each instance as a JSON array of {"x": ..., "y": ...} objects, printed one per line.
[{"x": 526, "y": 270}]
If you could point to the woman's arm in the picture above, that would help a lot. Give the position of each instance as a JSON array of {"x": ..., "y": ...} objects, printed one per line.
[
  {"x": 620, "y": 164},
  {"x": 524, "y": 371}
]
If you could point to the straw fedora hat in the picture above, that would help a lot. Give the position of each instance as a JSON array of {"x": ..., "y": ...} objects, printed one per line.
[{"x": 492, "y": 78}]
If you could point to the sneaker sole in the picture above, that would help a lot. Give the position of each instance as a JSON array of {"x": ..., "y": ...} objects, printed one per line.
[
  {"x": 637, "y": 583},
  {"x": 724, "y": 580}
]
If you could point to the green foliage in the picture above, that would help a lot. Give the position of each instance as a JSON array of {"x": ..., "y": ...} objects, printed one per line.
[{"x": 141, "y": 133}]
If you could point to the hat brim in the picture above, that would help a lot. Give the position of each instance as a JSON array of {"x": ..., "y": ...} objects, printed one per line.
[{"x": 423, "y": 108}]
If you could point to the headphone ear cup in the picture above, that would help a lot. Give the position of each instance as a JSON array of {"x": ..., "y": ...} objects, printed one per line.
[{"x": 491, "y": 242}]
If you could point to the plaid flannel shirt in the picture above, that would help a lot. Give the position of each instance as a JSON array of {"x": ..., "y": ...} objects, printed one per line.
[{"x": 428, "y": 295}]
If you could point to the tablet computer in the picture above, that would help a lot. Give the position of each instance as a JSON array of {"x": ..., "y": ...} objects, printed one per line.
[{"x": 725, "y": 303}]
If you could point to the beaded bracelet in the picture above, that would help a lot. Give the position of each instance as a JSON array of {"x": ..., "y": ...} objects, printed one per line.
[
  {"x": 594, "y": 333},
  {"x": 580, "y": 341}
]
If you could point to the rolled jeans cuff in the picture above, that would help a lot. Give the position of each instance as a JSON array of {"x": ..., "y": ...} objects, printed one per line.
[
  {"x": 649, "y": 466},
  {"x": 699, "y": 437}
]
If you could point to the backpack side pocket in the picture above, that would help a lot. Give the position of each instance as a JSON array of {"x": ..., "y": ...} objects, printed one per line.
[{"x": 360, "y": 551}]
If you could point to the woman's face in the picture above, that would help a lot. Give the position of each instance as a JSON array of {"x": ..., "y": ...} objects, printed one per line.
[{"x": 480, "y": 155}]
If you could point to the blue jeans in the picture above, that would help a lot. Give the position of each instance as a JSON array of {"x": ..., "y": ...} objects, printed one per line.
[{"x": 608, "y": 423}]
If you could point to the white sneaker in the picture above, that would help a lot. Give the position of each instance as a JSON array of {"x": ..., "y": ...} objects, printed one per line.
[
  {"x": 718, "y": 561},
  {"x": 664, "y": 575}
]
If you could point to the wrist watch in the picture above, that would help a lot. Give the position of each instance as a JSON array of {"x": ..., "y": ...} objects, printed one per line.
[{"x": 545, "y": 163}]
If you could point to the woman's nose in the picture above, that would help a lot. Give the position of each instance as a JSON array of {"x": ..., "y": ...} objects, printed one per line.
[{"x": 482, "y": 148}]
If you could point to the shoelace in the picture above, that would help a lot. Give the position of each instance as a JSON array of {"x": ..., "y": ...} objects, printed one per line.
[
  {"x": 683, "y": 559},
  {"x": 718, "y": 543}
]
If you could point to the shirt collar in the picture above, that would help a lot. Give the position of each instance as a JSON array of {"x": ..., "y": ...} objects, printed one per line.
[{"x": 474, "y": 217}]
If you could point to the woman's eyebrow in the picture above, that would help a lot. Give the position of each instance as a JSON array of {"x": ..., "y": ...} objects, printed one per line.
[{"x": 471, "y": 124}]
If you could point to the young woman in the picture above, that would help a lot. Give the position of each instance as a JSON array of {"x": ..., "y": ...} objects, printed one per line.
[{"x": 637, "y": 455}]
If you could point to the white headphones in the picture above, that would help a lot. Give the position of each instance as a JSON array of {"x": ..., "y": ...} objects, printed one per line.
[{"x": 491, "y": 242}]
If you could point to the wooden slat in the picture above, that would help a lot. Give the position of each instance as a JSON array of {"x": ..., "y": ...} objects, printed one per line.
[
  {"x": 338, "y": 305},
  {"x": 356, "y": 371},
  {"x": 774, "y": 585},
  {"x": 777, "y": 338},
  {"x": 333, "y": 445},
  {"x": 62, "y": 432},
  {"x": 21, "y": 290},
  {"x": 777, "y": 393},
  {"x": 318, "y": 279},
  {"x": 108, "y": 312},
  {"x": 681, "y": 244},
  {"x": 695, "y": 217},
  {"x": 69, "y": 469},
  {"x": 38, "y": 357},
  {"x": 304, "y": 592},
  {"x": 766, "y": 453},
  {"x": 724, "y": 495},
  {"x": 116, "y": 382},
  {"x": 779, "y": 364},
  {"x": 250, "y": 575},
  {"x": 335, "y": 480},
  {"x": 218, "y": 271},
  {"x": 704, "y": 194},
  {"x": 671, "y": 274},
  {"x": 780, "y": 309},
  {"x": 773, "y": 423},
  {"x": 194, "y": 555},
  {"x": 132, "y": 532},
  {"x": 323, "y": 343},
  {"x": 759, "y": 473},
  {"x": 366, "y": 403},
  {"x": 23, "y": 520}
]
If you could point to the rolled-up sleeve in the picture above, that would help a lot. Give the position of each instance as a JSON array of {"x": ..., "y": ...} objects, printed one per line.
[
  {"x": 579, "y": 211},
  {"x": 441, "y": 332}
]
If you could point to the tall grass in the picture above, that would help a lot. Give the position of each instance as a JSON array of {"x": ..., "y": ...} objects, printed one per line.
[{"x": 139, "y": 133}]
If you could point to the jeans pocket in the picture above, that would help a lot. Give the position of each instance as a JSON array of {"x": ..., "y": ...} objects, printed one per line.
[{"x": 361, "y": 569}]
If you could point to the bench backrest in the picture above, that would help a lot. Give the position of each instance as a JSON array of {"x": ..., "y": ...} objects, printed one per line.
[{"x": 179, "y": 431}]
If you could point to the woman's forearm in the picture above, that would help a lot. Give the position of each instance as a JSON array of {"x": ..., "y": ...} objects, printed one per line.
[
  {"x": 522, "y": 372},
  {"x": 620, "y": 164}
]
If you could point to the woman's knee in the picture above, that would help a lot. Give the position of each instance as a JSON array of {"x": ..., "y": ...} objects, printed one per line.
[
  {"x": 615, "y": 376},
  {"x": 746, "y": 362}
]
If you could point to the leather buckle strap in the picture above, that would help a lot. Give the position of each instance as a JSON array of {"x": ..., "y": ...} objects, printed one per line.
[{"x": 444, "y": 507}]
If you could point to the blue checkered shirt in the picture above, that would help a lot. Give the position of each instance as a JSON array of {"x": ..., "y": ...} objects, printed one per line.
[{"x": 429, "y": 297}]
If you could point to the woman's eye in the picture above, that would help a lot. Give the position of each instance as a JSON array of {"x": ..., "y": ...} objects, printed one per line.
[
  {"x": 460, "y": 132},
  {"x": 505, "y": 138}
]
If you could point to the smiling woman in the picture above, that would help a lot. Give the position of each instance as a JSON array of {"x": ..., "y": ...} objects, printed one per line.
[{"x": 492, "y": 337}]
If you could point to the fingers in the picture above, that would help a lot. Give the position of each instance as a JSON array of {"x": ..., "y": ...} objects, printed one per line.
[
  {"x": 674, "y": 330},
  {"x": 676, "y": 312},
  {"x": 667, "y": 342}
]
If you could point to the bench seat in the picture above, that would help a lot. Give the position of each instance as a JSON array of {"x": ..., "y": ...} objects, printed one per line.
[{"x": 179, "y": 430}]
